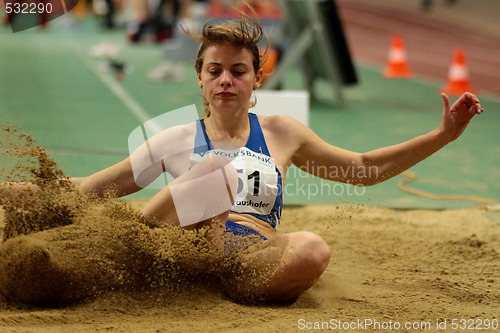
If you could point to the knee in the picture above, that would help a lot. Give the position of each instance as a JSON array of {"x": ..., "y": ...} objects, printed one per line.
[
  {"x": 312, "y": 257},
  {"x": 303, "y": 257}
]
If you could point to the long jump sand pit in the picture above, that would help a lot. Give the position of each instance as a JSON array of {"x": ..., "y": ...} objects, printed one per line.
[
  {"x": 99, "y": 265},
  {"x": 388, "y": 267}
]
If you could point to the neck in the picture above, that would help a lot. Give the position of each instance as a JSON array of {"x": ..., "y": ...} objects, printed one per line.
[{"x": 228, "y": 128}]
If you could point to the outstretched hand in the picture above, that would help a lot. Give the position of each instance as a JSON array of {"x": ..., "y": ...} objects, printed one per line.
[{"x": 456, "y": 118}]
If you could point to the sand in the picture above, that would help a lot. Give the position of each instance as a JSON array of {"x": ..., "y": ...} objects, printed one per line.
[{"x": 389, "y": 266}]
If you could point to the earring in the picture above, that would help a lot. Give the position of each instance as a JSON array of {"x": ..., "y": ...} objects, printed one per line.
[{"x": 253, "y": 100}]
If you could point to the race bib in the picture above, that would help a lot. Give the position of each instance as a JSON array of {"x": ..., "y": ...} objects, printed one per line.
[{"x": 257, "y": 178}]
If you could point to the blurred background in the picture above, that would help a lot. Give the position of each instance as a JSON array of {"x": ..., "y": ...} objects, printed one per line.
[{"x": 83, "y": 79}]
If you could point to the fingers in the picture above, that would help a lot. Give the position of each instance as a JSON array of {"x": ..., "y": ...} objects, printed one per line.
[
  {"x": 476, "y": 109},
  {"x": 470, "y": 97},
  {"x": 471, "y": 102},
  {"x": 446, "y": 103}
]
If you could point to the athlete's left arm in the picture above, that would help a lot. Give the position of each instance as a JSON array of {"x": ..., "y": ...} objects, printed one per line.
[{"x": 324, "y": 160}]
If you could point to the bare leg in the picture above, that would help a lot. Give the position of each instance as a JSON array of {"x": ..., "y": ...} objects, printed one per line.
[{"x": 282, "y": 268}]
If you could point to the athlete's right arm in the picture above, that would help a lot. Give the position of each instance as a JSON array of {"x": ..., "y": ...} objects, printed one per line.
[
  {"x": 165, "y": 151},
  {"x": 117, "y": 179}
]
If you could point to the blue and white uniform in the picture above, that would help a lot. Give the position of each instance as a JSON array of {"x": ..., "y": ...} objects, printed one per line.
[{"x": 259, "y": 180}]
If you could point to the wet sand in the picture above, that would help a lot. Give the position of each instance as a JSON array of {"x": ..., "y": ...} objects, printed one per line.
[{"x": 389, "y": 266}]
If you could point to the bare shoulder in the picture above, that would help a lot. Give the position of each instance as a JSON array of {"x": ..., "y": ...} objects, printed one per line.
[
  {"x": 176, "y": 133},
  {"x": 187, "y": 129},
  {"x": 283, "y": 136},
  {"x": 283, "y": 125}
]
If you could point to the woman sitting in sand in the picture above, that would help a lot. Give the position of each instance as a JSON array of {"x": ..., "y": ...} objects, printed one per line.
[{"x": 236, "y": 168}]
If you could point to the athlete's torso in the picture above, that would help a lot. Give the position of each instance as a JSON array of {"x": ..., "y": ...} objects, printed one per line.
[{"x": 259, "y": 192}]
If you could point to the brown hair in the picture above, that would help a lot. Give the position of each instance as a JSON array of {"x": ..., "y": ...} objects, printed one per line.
[{"x": 245, "y": 32}]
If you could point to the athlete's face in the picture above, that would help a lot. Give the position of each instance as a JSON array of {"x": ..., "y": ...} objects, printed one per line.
[{"x": 227, "y": 77}]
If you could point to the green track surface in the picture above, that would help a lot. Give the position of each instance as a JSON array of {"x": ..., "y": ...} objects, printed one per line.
[{"x": 49, "y": 85}]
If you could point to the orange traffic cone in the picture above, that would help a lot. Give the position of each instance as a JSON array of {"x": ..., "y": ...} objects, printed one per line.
[
  {"x": 397, "y": 65},
  {"x": 458, "y": 77}
]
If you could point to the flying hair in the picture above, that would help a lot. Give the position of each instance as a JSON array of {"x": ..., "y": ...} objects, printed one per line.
[{"x": 245, "y": 32}]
